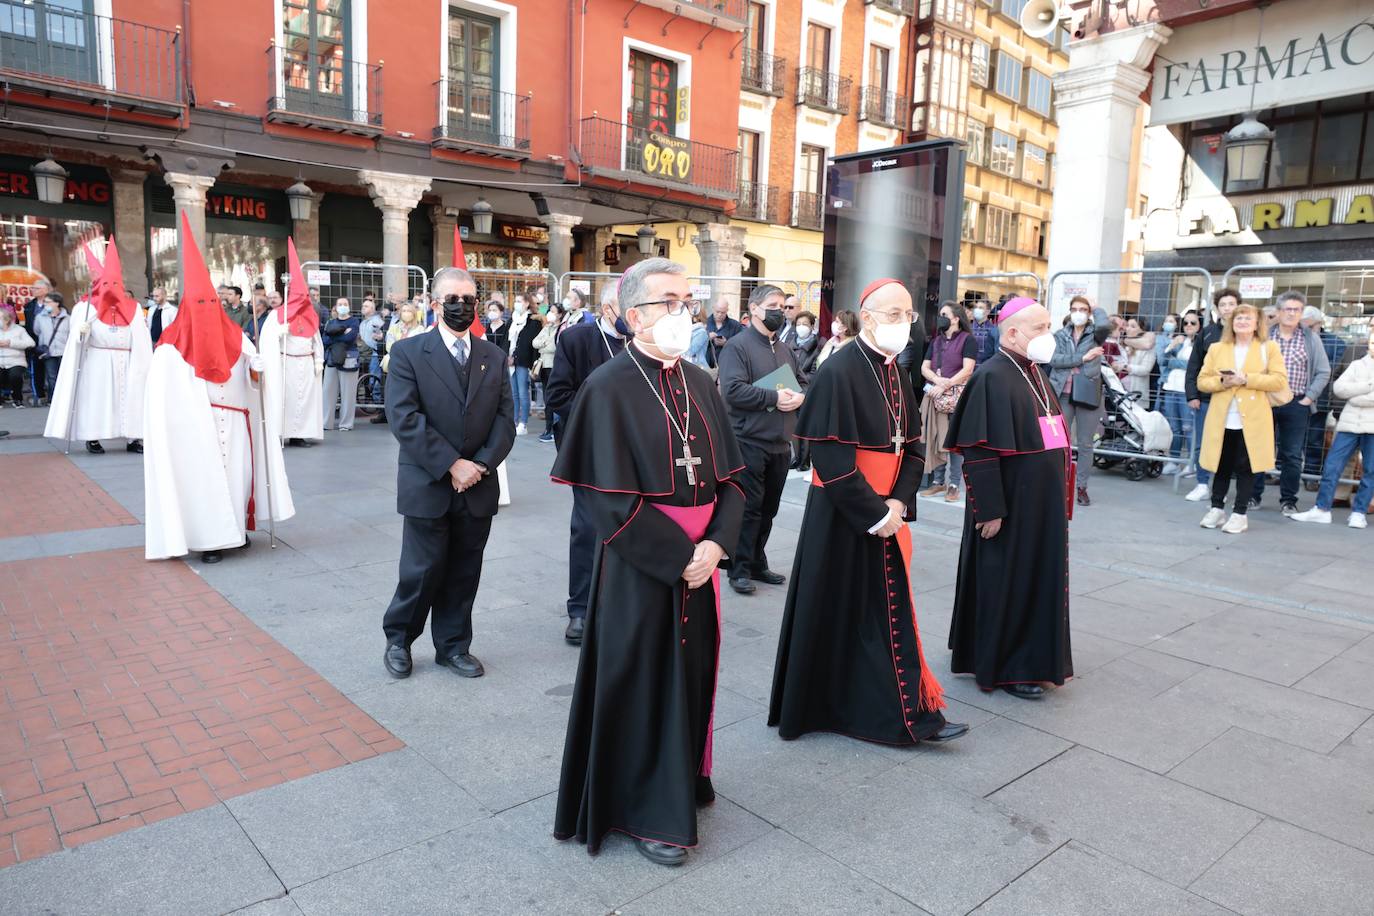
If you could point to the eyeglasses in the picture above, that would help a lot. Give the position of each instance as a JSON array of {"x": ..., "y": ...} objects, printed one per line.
[
  {"x": 674, "y": 306},
  {"x": 893, "y": 317},
  {"x": 1190, "y": 324},
  {"x": 1291, "y": 309}
]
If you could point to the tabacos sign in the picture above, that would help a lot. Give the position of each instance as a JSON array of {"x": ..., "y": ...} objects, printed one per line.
[
  {"x": 1219, "y": 217},
  {"x": 1317, "y": 49}
]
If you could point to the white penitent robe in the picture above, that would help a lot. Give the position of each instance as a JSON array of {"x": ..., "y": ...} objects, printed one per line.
[
  {"x": 112, "y": 361},
  {"x": 292, "y": 369},
  {"x": 204, "y": 456}
]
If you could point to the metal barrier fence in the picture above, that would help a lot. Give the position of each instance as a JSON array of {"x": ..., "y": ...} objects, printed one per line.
[
  {"x": 738, "y": 288},
  {"x": 509, "y": 283},
  {"x": 1163, "y": 290},
  {"x": 354, "y": 280},
  {"x": 996, "y": 285}
]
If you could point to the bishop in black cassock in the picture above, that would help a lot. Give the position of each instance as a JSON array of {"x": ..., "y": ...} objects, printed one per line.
[
  {"x": 1010, "y": 627},
  {"x": 849, "y": 656},
  {"x": 649, "y": 446}
]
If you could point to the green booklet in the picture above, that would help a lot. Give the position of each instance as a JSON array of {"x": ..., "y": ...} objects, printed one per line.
[{"x": 780, "y": 378}]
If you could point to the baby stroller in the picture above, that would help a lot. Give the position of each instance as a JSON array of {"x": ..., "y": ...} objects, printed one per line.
[{"x": 1128, "y": 427}]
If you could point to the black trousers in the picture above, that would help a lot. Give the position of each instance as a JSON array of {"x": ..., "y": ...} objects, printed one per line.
[
  {"x": 548, "y": 413},
  {"x": 441, "y": 565},
  {"x": 581, "y": 552},
  {"x": 765, "y": 474},
  {"x": 37, "y": 376},
  {"x": 13, "y": 383},
  {"x": 1234, "y": 462}
]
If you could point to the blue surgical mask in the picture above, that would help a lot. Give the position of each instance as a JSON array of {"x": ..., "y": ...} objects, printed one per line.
[{"x": 1169, "y": 327}]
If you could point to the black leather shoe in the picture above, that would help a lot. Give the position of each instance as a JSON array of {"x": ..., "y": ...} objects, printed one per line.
[
  {"x": 576, "y": 627},
  {"x": 465, "y": 665},
  {"x": 662, "y": 853},
  {"x": 397, "y": 661},
  {"x": 210, "y": 556},
  {"x": 951, "y": 731},
  {"x": 1025, "y": 691},
  {"x": 768, "y": 577},
  {"x": 742, "y": 585},
  {"x": 380, "y": 418},
  {"x": 135, "y": 446},
  {"x": 95, "y": 448},
  {"x": 706, "y": 793}
]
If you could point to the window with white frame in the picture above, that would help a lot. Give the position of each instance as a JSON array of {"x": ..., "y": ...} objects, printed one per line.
[
  {"x": 977, "y": 136},
  {"x": 968, "y": 224},
  {"x": 1039, "y": 92},
  {"x": 980, "y": 63},
  {"x": 997, "y": 227},
  {"x": 1008, "y": 83},
  {"x": 1002, "y": 153},
  {"x": 1026, "y": 234},
  {"x": 1013, "y": 8},
  {"x": 1034, "y": 168}
]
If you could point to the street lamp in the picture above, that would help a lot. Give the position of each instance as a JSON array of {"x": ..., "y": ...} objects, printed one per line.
[
  {"x": 481, "y": 217},
  {"x": 1247, "y": 150},
  {"x": 645, "y": 238},
  {"x": 51, "y": 179},
  {"x": 298, "y": 198}
]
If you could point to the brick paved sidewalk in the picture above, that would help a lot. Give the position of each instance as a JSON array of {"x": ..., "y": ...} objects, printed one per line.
[
  {"x": 45, "y": 492},
  {"x": 132, "y": 691}
]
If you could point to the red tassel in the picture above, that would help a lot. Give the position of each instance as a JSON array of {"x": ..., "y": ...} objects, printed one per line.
[{"x": 930, "y": 693}]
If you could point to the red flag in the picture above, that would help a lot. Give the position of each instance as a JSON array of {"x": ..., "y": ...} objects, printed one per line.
[
  {"x": 207, "y": 337},
  {"x": 113, "y": 305},
  {"x": 461, "y": 260},
  {"x": 301, "y": 316}
]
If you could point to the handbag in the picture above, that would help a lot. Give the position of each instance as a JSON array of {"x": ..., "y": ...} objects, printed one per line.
[
  {"x": 1284, "y": 394},
  {"x": 1085, "y": 390},
  {"x": 947, "y": 400}
]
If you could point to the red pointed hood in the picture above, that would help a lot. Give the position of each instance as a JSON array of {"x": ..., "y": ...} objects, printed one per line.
[
  {"x": 208, "y": 339},
  {"x": 113, "y": 304},
  {"x": 302, "y": 319},
  {"x": 460, "y": 259}
]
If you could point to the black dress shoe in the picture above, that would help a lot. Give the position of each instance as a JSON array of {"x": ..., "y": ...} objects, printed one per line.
[
  {"x": 380, "y": 418},
  {"x": 662, "y": 853},
  {"x": 576, "y": 627},
  {"x": 210, "y": 556},
  {"x": 95, "y": 448},
  {"x": 465, "y": 665},
  {"x": 304, "y": 443},
  {"x": 1025, "y": 691},
  {"x": 706, "y": 793},
  {"x": 768, "y": 577},
  {"x": 951, "y": 731},
  {"x": 742, "y": 585},
  {"x": 135, "y": 446},
  {"x": 397, "y": 661}
]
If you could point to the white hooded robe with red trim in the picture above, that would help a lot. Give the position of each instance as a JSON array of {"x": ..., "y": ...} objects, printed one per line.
[
  {"x": 292, "y": 369},
  {"x": 113, "y": 363}
]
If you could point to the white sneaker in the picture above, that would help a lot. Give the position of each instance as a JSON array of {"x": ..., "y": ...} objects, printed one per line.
[
  {"x": 520, "y": 429},
  {"x": 1169, "y": 470},
  {"x": 1213, "y": 518},
  {"x": 1357, "y": 520},
  {"x": 1320, "y": 516},
  {"x": 1198, "y": 493},
  {"x": 1236, "y": 524}
]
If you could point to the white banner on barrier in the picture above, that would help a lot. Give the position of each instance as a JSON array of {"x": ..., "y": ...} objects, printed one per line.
[
  {"x": 1256, "y": 287},
  {"x": 317, "y": 277},
  {"x": 582, "y": 286}
]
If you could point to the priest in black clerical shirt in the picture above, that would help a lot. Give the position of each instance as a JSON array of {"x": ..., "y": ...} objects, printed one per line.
[
  {"x": 1011, "y": 605},
  {"x": 649, "y": 447},
  {"x": 849, "y": 655}
]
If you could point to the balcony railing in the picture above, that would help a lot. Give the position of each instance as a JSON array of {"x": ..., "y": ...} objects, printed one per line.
[
  {"x": 330, "y": 94},
  {"x": 762, "y": 73},
  {"x": 757, "y": 202},
  {"x": 725, "y": 14},
  {"x": 900, "y": 7},
  {"x": 479, "y": 120},
  {"x": 826, "y": 91},
  {"x": 73, "y": 54},
  {"x": 631, "y": 153},
  {"x": 886, "y": 109},
  {"x": 806, "y": 210}
]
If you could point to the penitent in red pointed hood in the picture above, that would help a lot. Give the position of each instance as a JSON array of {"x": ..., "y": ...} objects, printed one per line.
[
  {"x": 208, "y": 339},
  {"x": 113, "y": 304},
  {"x": 302, "y": 319},
  {"x": 460, "y": 259}
]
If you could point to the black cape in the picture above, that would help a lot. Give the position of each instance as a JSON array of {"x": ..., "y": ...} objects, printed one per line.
[
  {"x": 849, "y": 657},
  {"x": 581, "y": 350},
  {"x": 1011, "y": 604},
  {"x": 640, "y": 722}
]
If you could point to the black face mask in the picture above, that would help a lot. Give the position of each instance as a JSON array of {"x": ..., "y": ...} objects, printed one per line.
[
  {"x": 773, "y": 319},
  {"x": 460, "y": 312},
  {"x": 942, "y": 324}
]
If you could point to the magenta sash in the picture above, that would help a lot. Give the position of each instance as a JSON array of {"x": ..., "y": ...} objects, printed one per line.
[{"x": 694, "y": 520}]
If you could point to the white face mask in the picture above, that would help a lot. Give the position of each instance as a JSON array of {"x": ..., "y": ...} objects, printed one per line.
[
  {"x": 892, "y": 338},
  {"x": 1078, "y": 319},
  {"x": 1041, "y": 349},
  {"x": 673, "y": 333},
  {"x": 1169, "y": 327},
  {"x": 493, "y": 315},
  {"x": 803, "y": 332},
  {"x": 342, "y": 311},
  {"x": 979, "y": 314},
  {"x": 836, "y": 329}
]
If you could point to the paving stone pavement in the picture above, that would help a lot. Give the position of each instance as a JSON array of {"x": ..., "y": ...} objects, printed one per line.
[{"x": 1214, "y": 753}]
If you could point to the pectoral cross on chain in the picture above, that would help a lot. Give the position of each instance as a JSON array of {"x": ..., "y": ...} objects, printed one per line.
[
  {"x": 1053, "y": 424},
  {"x": 688, "y": 463},
  {"x": 897, "y": 441}
]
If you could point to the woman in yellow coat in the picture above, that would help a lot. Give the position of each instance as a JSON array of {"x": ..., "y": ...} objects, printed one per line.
[{"x": 1238, "y": 441}]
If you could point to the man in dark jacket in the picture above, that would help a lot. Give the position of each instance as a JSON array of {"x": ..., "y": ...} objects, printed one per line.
[
  {"x": 763, "y": 421},
  {"x": 1223, "y": 304},
  {"x": 720, "y": 327},
  {"x": 37, "y": 376}
]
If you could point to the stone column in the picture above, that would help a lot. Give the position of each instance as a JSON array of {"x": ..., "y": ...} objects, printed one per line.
[
  {"x": 395, "y": 195},
  {"x": 188, "y": 190},
  {"x": 1097, "y": 99},
  {"x": 444, "y": 224},
  {"x": 722, "y": 255},
  {"x": 560, "y": 244},
  {"x": 131, "y": 229},
  {"x": 306, "y": 233}
]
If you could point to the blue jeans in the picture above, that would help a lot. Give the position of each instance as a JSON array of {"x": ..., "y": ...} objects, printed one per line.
[
  {"x": 1342, "y": 447},
  {"x": 1290, "y": 432},
  {"x": 520, "y": 390},
  {"x": 1204, "y": 476},
  {"x": 1180, "y": 417}
]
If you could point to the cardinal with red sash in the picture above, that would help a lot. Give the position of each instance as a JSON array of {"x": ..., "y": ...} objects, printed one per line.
[
  {"x": 211, "y": 471},
  {"x": 1010, "y": 628},
  {"x": 649, "y": 445},
  {"x": 849, "y": 655}
]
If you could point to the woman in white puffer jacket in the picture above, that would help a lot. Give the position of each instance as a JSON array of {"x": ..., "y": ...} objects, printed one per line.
[{"x": 1354, "y": 430}]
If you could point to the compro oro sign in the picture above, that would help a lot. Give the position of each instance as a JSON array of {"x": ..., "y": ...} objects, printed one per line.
[
  {"x": 1313, "y": 50},
  {"x": 666, "y": 157}
]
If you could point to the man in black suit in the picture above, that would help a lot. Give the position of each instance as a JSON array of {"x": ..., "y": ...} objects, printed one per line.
[
  {"x": 37, "y": 375},
  {"x": 449, "y": 406}
]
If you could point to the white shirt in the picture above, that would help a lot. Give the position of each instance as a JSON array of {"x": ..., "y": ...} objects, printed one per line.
[
  {"x": 1233, "y": 420},
  {"x": 450, "y": 338}
]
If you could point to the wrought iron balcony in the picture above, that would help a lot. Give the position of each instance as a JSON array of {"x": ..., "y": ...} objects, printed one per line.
[
  {"x": 71, "y": 54},
  {"x": 334, "y": 94},
  {"x": 806, "y": 210},
  {"x": 730, "y": 15},
  {"x": 479, "y": 120},
  {"x": 886, "y": 109},
  {"x": 822, "y": 90},
  {"x": 631, "y": 153},
  {"x": 900, "y": 7},
  {"x": 762, "y": 73},
  {"x": 757, "y": 202}
]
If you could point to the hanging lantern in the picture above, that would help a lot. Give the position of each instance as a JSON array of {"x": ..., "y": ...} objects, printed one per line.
[
  {"x": 645, "y": 238},
  {"x": 481, "y": 217},
  {"x": 51, "y": 179},
  {"x": 1247, "y": 150},
  {"x": 298, "y": 198}
]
